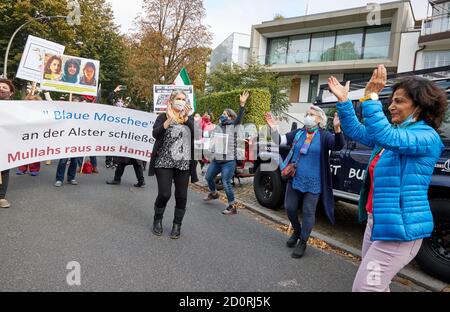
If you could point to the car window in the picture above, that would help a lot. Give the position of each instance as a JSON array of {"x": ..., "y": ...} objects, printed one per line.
[{"x": 444, "y": 130}]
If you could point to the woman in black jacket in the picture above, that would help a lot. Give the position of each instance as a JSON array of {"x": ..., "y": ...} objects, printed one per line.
[{"x": 173, "y": 160}]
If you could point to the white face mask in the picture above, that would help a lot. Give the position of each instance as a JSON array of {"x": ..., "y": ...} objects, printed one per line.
[
  {"x": 179, "y": 105},
  {"x": 310, "y": 122}
]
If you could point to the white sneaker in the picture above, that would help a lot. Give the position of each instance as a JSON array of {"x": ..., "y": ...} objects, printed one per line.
[
  {"x": 4, "y": 203},
  {"x": 73, "y": 182},
  {"x": 58, "y": 183}
]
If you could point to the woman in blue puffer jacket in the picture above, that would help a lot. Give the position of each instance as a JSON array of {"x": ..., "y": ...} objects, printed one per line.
[{"x": 394, "y": 196}]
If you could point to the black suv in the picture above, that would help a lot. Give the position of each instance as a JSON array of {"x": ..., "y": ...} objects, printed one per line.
[{"x": 348, "y": 168}]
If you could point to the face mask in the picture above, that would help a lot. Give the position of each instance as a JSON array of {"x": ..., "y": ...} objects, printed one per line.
[
  {"x": 413, "y": 117},
  {"x": 119, "y": 103},
  {"x": 310, "y": 122},
  {"x": 4, "y": 95},
  {"x": 179, "y": 105},
  {"x": 223, "y": 119}
]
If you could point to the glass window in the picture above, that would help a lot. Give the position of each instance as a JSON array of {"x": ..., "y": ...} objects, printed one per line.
[
  {"x": 436, "y": 59},
  {"x": 322, "y": 47},
  {"x": 298, "y": 49},
  {"x": 349, "y": 44},
  {"x": 277, "y": 51},
  {"x": 444, "y": 131},
  {"x": 243, "y": 56},
  {"x": 356, "y": 76},
  {"x": 313, "y": 88},
  {"x": 376, "y": 44}
]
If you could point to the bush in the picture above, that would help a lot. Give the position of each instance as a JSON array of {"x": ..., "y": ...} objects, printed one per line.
[{"x": 257, "y": 105}]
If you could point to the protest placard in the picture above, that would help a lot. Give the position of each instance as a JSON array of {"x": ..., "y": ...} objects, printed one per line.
[
  {"x": 70, "y": 74},
  {"x": 161, "y": 96},
  {"x": 31, "y": 64},
  {"x": 34, "y": 131}
]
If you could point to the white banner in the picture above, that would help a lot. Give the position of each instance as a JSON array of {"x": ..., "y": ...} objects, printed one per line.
[
  {"x": 31, "y": 64},
  {"x": 33, "y": 131},
  {"x": 161, "y": 96}
]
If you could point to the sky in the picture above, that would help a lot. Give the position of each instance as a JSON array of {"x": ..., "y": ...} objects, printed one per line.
[{"x": 226, "y": 17}]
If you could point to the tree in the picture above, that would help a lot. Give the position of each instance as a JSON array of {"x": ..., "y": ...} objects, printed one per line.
[
  {"x": 170, "y": 36},
  {"x": 230, "y": 77},
  {"x": 97, "y": 37}
]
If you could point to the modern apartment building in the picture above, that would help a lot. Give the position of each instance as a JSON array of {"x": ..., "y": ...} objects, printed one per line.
[
  {"x": 234, "y": 49},
  {"x": 434, "y": 39},
  {"x": 348, "y": 44}
]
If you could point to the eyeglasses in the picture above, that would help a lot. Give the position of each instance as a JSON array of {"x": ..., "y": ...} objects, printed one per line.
[{"x": 313, "y": 115}]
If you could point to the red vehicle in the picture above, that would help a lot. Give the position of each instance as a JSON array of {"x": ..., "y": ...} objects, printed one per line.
[{"x": 243, "y": 167}]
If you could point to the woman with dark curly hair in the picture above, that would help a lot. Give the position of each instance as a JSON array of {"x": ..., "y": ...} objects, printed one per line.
[
  {"x": 71, "y": 71},
  {"x": 394, "y": 196},
  {"x": 52, "y": 70},
  {"x": 88, "y": 78}
]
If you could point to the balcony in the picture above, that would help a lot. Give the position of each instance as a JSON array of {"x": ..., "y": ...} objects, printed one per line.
[{"x": 435, "y": 29}]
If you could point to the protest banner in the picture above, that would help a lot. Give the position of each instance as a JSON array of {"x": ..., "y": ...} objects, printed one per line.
[
  {"x": 70, "y": 74},
  {"x": 31, "y": 64},
  {"x": 161, "y": 96},
  {"x": 34, "y": 131}
]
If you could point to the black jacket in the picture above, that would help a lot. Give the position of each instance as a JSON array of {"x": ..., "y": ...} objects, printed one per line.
[{"x": 158, "y": 135}]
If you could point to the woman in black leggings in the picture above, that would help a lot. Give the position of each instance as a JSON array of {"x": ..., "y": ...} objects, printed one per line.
[{"x": 172, "y": 160}]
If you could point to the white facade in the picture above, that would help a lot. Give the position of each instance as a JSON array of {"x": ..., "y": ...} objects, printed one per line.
[
  {"x": 409, "y": 47},
  {"x": 235, "y": 49}
]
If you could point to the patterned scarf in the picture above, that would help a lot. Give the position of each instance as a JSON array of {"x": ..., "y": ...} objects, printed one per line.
[{"x": 310, "y": 134}]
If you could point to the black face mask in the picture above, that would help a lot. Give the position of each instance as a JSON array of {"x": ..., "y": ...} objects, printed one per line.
[{"x": 5, "y": 95}]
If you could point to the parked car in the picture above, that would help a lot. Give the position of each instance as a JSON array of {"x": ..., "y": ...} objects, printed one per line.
[{"x": 349, "y": 166}]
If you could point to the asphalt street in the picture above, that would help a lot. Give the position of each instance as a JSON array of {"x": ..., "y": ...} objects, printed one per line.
[{"x": 107, "y": 230}]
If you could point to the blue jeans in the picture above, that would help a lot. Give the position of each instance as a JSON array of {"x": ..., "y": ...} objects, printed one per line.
[
  {"x": 4, "y": 186},
  {"x": 226, "y": 170},
  {"x": 309, "y": 204},
  {"x": 71, "y": 173}
]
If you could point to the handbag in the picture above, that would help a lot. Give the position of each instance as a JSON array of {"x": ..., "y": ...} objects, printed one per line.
[
  {"x": 290, "y": 170},
  {"x": 87, "y": 168}
]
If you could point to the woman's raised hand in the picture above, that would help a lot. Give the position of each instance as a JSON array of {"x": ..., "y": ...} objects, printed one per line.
[
  {"x": 378, "y": 80},
  {"x": 337, "y": 123},
  {"x": 243, "y": 98},
  {"x": 271, "y": 121},
  {"x": 340, "y": 91}
]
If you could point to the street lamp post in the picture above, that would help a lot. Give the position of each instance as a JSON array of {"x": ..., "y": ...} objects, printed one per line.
[{"x": 5, "y": 68}]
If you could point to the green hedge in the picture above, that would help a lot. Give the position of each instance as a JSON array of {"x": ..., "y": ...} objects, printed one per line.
[{"x": 257, "y": 105}]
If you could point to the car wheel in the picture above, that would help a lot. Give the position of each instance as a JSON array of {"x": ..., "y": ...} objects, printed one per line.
[
  {"x": 269, "y": 188},
  {"x": 434, "y": 255}
]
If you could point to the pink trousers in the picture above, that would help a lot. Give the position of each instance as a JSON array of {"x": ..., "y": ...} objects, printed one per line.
[{"x": 381, "y": 261}]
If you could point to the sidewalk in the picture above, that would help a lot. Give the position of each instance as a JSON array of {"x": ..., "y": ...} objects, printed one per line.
[{"x": 344, "y": 238}]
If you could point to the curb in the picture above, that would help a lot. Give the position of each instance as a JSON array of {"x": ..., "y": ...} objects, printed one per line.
[{"x": 417, "y": 277}]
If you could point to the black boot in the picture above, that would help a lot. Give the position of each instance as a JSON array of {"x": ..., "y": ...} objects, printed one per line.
[
  {"x": 113, "y": 182},
  {"x": 157, "y": 227},
  {"x": 292, "y": 241},
  {"x": 299, "y": 250},
  {"x": 175, "y": 234},
  {"x": 157, "y": 221},
  {"x": 140, "y": 184}
]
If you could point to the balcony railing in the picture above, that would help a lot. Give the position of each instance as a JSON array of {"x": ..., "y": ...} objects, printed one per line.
[
  {"x": 330, "y": 55},
  {"x": 436, "y": 24}
]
